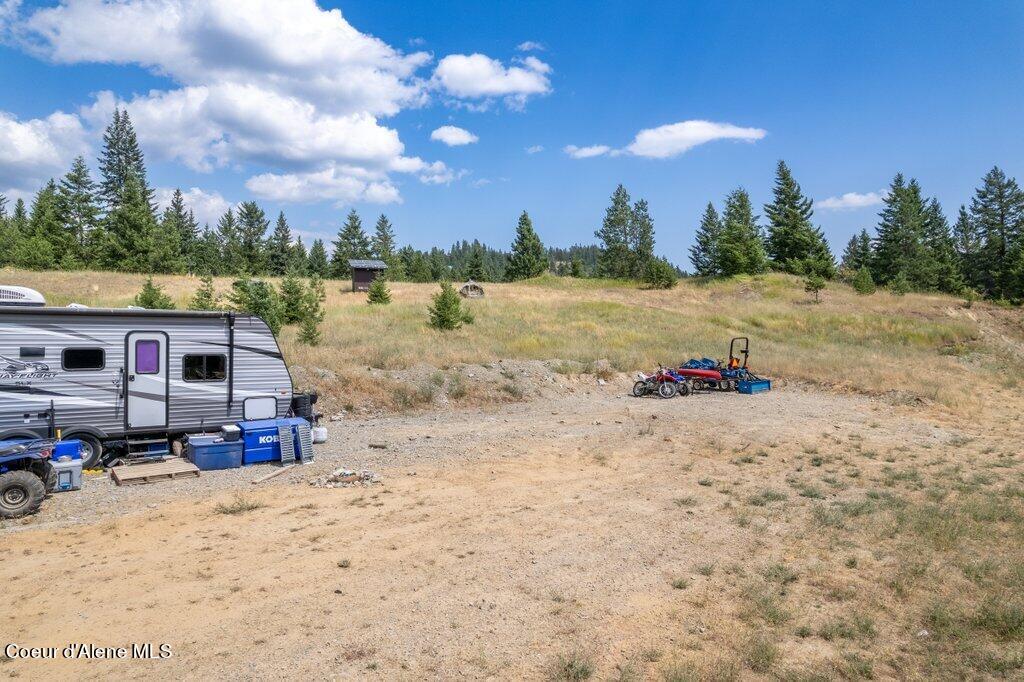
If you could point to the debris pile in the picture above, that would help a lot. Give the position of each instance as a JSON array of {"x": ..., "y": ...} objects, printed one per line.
[{"x": 345, "y": 478}]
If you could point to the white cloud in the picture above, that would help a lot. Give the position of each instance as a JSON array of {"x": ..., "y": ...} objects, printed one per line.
[
  {"x": 453, "y": 136},
  {"x": 674, "y": 139},
  {"x": 207, "y": 207},
  {"x": 477, "y": 76},
  {"x": 671, "y": 140},
  {"x": 280, "y": 84},
  {"x": 33, "y": 151},
  {"x": 586, "y": 152},
  {"x": 530, "y": 46},
  {"x": 481, "y": 182},
  {"x": 852, "y": 200},
  {"x": 535, "y": 149}
]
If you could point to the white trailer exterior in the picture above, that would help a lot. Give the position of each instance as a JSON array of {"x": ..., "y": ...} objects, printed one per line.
[{"x": 124, "y": 373}]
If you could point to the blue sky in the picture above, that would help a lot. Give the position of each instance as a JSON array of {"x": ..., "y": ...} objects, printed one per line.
[{"x": 314, "y": 112}]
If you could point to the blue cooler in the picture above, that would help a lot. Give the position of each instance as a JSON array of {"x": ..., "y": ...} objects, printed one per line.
[
  {"x": 262, "y": 443},
  {"x": 213, "y": 452},
  {"x": 70, "y": 448}
]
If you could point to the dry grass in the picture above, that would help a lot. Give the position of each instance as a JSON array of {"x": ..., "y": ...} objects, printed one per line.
[{"x": 916, "y": 347}]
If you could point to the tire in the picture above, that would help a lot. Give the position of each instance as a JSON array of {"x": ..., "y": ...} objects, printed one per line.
[
  {"x": 21, "y": 493},
  {"x": 667, "y": 389},
  {"x": 640, "y": 389},
  {"x": 683, "y": 389},
  {"x": 698, "y": 384},
  {"x": 92, "y": 450}
]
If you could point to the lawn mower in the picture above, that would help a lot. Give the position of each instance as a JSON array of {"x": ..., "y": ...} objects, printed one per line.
[
  {"x": 665, "y": 382},
  {"x": 26, "y": 476}
]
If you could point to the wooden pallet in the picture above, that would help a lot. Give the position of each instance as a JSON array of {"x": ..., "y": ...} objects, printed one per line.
[{"x": 150, "y": 473}]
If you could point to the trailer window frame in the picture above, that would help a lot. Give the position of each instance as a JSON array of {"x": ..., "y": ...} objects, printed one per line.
[
  {"x": 224, "y": 364},
  {"x": 92, "y": 368}
]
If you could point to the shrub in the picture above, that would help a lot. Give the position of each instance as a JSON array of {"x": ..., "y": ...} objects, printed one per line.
[
  {"x": 257, "y": 297},
  {"x": 863, "y": 283},
  {"x": 312, "y": 312},
  {"x": 900, "y": 285},
  {"x": 153, "y": 297},
  {"x": 659, "y": 274},
  {"x": 447, "y": 311},
  {"x": 378, "y": 293},
  {"x": 204, "y": 298},
  {"x": 292, "y": 298}
]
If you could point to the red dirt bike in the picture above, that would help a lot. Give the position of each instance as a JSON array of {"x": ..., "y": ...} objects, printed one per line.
[{"x": 665, "y": 382}]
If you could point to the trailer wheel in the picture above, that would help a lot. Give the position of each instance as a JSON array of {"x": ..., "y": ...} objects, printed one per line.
[
  {"x": 92, "y": 450},
  {"x": 698, "y": 385},
  {"x": 21, "y": 493},
  {"x": 667, "y": 389},
  {"x": 640, "y": 389}
]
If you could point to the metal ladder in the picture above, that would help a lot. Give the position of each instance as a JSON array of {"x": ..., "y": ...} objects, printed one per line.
[{"x": 287, "y": 442}]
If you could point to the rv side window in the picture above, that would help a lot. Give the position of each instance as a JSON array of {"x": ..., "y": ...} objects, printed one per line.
[
  {"x": 204, "y": 367},
  {"x": 32, "y": 352},
  {"x": 72, "y": 359}
]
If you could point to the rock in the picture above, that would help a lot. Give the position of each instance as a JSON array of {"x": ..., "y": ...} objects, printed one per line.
[
  {"x": 378, "y": 446},
  {"x": 601, "y": 382},
  {"x": 922, "y": 633}
]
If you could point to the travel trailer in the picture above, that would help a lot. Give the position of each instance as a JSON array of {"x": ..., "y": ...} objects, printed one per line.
[{"x": 134, "y": 379}]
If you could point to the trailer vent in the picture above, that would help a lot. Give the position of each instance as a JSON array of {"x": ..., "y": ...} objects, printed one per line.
[{"x": 20, "y": 296}]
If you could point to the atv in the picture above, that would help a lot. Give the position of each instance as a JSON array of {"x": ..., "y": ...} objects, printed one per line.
[{"x": 26, "y": 476}]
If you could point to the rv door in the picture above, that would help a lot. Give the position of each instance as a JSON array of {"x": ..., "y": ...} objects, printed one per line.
[{"x": 147, "y": 387}]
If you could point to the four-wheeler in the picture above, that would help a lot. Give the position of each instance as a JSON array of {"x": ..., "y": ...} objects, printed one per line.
[
  {"x": 26, "y": 476},
  {"x": 664, "y": 382}
]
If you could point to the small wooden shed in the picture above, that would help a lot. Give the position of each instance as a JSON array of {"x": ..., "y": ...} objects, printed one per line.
[{"x": 364, "y": 272}]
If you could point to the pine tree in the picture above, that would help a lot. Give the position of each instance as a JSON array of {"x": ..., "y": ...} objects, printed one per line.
[
  {"x": 967, "y": 243},
  {"x": 858, "y": 252},
  {"x": 232, "y": 261},
  {"x": 942, "y": 273},
  {"x": 352, "y": 243},
  {"x": 206, "y": 256},
  {"x": 312, "y": 312},
  {"x": 740, "y": 247},
  {"x": 179, "y": 224},
  {"x": 279, "y": 247},
  {"x": 475, "y": 267},
  {"x": 814, "y": 284},
  {"x": 378, "y": 293},
  {"x": 130, "y": 230},
  {"x": 205, "y": 297},
  {"x": 121, "y": 157},
  {"x": 259, "y": 298},
  {"x": 900, "y": 284},
  {"x": 419, "y": 270},
  {"x": 616, "y": 258},
  {"x": 293, "y": 296},
  {"x": 997, "y": 211},
  {"x": 152, "y": 297},
  {"x": 19, "y": 217},
  {"x": 77, "y": 207},
  {"x": 576, "y": 268},
  {"x": 298, "y": 258},
  {"x": 45, "y": 238},
  {"x": 166, "y": 255},
  {"x": 252, "y": 230},
  {"x": 382, "y": 244},
  {"x": 642, "y": 240},
  {"x": 862, "y": 282},
  {"x": 3, "y": 207},
  {"x": 318, "y": 264},
  {"x": 793, "y": 243},
  {"x": 704, "y": 252},
  {"x": 528, "y": 258},
  {"x": 899, "y": 241},
  {"x": 447, "y": 311}
]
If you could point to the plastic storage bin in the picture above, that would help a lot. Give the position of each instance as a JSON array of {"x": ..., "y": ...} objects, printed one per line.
[
  {"x": 262, "y": 443},
  {"x": 69, "y": 474},
  {"x": 213, "y": 452}
]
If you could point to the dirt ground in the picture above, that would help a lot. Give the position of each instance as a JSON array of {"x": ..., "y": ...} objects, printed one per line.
[{"x": 608, "y": 531}]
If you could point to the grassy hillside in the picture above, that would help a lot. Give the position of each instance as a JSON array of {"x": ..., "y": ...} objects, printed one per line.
[{"x": 918, "y": 346}]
